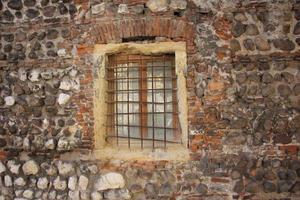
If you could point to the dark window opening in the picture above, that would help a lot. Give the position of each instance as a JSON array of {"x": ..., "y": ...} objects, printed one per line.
[
  {"x": 142, "y": 101},
  {"x": 138, "y": 38}
]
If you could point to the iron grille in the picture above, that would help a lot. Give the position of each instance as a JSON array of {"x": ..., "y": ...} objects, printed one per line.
[{"x": 142, "y": 102}]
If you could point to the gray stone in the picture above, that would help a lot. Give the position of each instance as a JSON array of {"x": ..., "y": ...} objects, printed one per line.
[
  {"x": 7, "y": 16},
  {"x": 96, "y": 196},
  {"x": 201, "y": 189},
  {"x": 99, "y": 8},
  {"x": 72, "y": 182},
  {"x": 49, "y": 11},
  {"x": 42, "y": 183},
  {"x": 238, "y": 29},
  {"x": 28, "y": 194},
  {"x": 50, "y": 100},
  {"x": 52, "y": 34},
  {"x": 284, "y": 186},
  {"x": 252, "y": 187},
  {"x": 15, "y": 4},
  {"x": 288, "y": 77},
  {"x": 63, "y": 98},
  {"x": 297, "y": 29},
  {"x": 284, "y": 44},
  {"x": 65, "y": 168},
  {"x": 249, "y": 44},
  {"x": 262, "y": 44},
  {"x": 74, "y": 195},
  {"x": 29, "y": 3},
  {"x": 20, "y": 182},
  {"x": 123, "y": 9},
  {"x": 241, "y": 77},
  {"x": 13, "y": 166},
  {"x": 239, "y": 186},
  {"x": 235, "y": 174},
  {"x": 240, "y": 17},
  {"x": 117, "y": 194},
  {"x": 252, "y": 29},
  {"x": 178, "y": 4},
  {"x": 20, "y": 36},
  {"x": 7, "y": 181},
  {"x": 267, "y": 78},
  {"x": 110, "y": 180},
  {"x": 9, "y": 100},
  {"x": 59, "y": 183},
  {"x": 157, "y": 5},
  {"x": 32, "y": 13},
  {"x": 2, "y": 168},
  {"x": 284, "y": 90},
  {"x": 199, "y": 92},
  {"x": 83, "y": 182},
  {"x": 269, "y": 187}
]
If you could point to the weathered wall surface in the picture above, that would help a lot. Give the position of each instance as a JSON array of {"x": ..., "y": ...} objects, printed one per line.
[{"x": 243, "y": 81}]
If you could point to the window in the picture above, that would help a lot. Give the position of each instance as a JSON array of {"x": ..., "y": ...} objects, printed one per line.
[{"x": 142, "y": 100}]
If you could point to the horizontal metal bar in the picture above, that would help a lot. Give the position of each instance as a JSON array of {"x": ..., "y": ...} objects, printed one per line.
[
  {"x": 136, "y": 138},
  {"x": 130, "y": 67},
  {"x": 148, "y": 102},
  {"x": 143, "y": 113},
  {"x": 140, "y": 78},
  {"x": 139, "y": 90},
  {"x": 138, "y": 126}
]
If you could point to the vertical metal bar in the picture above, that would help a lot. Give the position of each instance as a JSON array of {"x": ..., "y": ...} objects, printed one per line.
[
  {"x": 165, "y": 130},
  {"x": 128, "y": 81},
  {"x": 152, "y": 73},
  {"x": 140, "y": 99},
  {"x": 116, "y": 99}
]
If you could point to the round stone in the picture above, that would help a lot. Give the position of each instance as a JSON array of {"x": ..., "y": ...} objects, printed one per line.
[
  {"x": 42, "y": 183},
  {"x": 201, "y": 189},
  {"x": 284, "y": 90},
  {"x": 252, "y": 29},
  {"x": 9, "y": 100},
  {"x": 62, "y": 9},
  {"x": 267, "y": 78},
  {"x": 238, "y": 29},
  {"x": 15, "y": 4},
  {"x": 235, "y": 45},
  {"x": 284, "y": 44},
  {"x": 262, "y": 44},
  {"x": 44, "y": 2},
  {"x": 30, "y": 168},
  {"x": 49, "y": 11},
  {"x": 249, "y": 44},
  {"x": 157, "y": 5},
  {"x": 32, "y": 13},
  {"x": 269, "y": 187},
  {"x": 110, "y": 180},
  {"x": 59, "y": 183},
  {"x": 20, "y": 36},
  {"x": 29, "y": 3},
  {"x": 7, "y": 15},
  {"x": 296, "y": 89}
]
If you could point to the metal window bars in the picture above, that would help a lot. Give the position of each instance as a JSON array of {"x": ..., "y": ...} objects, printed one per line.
[{"x": 142, "y": 100}]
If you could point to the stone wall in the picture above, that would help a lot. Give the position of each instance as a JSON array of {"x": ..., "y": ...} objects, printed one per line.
[{"x": 243, "y": 81}]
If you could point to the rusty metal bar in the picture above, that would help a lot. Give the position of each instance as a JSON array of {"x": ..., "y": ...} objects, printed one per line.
[
  {"x": 165, "y": 130},
  {"x": 158, "y": 77},
  {"x": 125, "y": 125},
  {"x": 140, "y": 90},
  {"x": 148, "y": 139}
]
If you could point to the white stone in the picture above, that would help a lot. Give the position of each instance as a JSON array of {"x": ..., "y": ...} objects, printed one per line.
[
  {"x": 34, "y": 75},
  {"x": 63, "y": 98},
  {"x": 110, "y": 180},
  {"x": 59, "y": 184},
  {"x": 74, "y": 195},
  {"x": 65, "y": 85},
  {"x": 72, "y": 182},
  {"x": 63, "y": 144},
  {"x": 20, "y": 182},
  {"x": 22, "y": 74},
  {"x": 84, "y": 195},
  {"x": 73, "y": 72},
  {"x": 13, "y": 167},
  {"x": 30, "y": 167},
  {"x": 7, "y": 181},
  {"x": 65, "y": 168},
  {"x": 28, "y": 194},
  {"x": 50, "y": 144},
  {"x": 178, "y": 4},
  {"x": 52, "y": 195},
  {"x": 158, "y": 5},
  {"x": 99, "y": 8},
  {"x": 123, "y": 9},
  {"x": 83, "y": 182},
  {"x": 42, "y": 183},
  {"x": 26, "y": 144},
  {"x": 9, "y": 100},
  {"x": 93, "y": 169},
  {"x": 2, "y": 167},
  {"x": 61, "y": 52},
  {"x": 96, "y": 196}
]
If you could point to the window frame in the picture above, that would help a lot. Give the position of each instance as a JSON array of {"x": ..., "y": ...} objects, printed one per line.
[
  {"x": 143, "y": 61},
  {"x": 103, "y": 150}
]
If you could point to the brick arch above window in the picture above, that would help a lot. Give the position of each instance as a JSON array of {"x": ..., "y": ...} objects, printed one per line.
[{"x": 114, "y": 31}]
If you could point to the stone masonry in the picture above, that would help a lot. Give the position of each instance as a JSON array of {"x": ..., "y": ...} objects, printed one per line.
[{"x": 243, "y": 83}]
